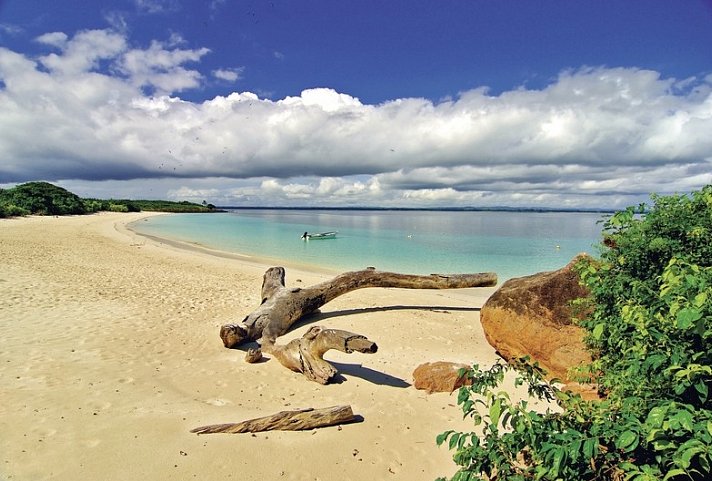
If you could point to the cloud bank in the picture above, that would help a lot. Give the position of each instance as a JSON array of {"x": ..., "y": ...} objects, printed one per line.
[{"x": 95, "y": 112}]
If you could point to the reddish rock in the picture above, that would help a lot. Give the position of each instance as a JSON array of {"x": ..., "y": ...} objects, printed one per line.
[
  {"x": 532, "y": 316},
  {"x": 440, "y": 376}
]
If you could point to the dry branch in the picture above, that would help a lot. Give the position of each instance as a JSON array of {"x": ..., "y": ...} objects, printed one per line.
[
  {"x": 297, "y": 420},
  {"x": 305, "y": 354},
  {"x": 282, "y": 307}
]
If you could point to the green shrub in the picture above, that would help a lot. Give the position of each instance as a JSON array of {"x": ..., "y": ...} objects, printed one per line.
[
  {"x": 118, "y": 208},
  {"x": 93, "y": 205},
  {"x": 650, "y": 330},
  {"x": 11, "y": 210},
  {"x": 43, "y": 198}
]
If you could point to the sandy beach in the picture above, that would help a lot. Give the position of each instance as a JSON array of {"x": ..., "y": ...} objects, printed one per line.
[{"x": 110, "y": 355}]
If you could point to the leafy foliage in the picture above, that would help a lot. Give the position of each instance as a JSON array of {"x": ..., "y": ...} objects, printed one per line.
[
  {"x": 42, "y": 198},
  {"x": 650, "y": 327},
  {"x": 159, "y": 206}
]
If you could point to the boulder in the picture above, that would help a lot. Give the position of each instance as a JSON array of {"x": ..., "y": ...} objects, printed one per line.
[
  {"x": 533, "y": 316},
  {"x": 440, "y": 376}
]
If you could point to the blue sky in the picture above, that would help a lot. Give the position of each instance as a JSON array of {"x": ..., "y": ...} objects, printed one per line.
[{"x": 385, "y": 103}]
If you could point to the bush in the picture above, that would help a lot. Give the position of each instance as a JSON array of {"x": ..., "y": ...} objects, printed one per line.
[
  {"x": 118, "y": 208},
  {"x": 93, "y": 205},
  {"x": 10, "y": 210},
  {"x": 43, "y": 198},
  {"x": 650, "y": 329}
]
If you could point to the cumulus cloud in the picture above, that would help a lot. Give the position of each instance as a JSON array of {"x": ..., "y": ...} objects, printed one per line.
[{"x": 97, "y": 109}]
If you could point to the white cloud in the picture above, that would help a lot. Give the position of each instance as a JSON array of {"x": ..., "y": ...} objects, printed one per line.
[
  {"x": 157, "y": 6},
  {"x": 56, "y": 39},
  {"x": 228, "y": 74},
  {"x": 83, "y": 52},
  {"x": 597, "y": 136},
  {"x": 162, "y": 68}
]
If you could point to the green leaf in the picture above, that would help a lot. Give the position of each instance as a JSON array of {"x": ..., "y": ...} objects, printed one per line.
[
  {"x": 598, "y": 331},
  {"x": 575, "y": 449},
  {"x": 442, "y": 437},
  {"x": 495, "y": 411},
  {"x": 453, "y": 440},
  {"x": 688, "y": 454},
  {"x": 702, "y": 390},
  {"x": 627, "y": 441},
  {"x": 685, "y": 419},
  {"x": 686, "y": 317},
  {"x": 656, "y": 416},
  {"x": 675, "y": 472},
  {"x": 556, "y": 461},
  {"x": 590, "y": 447}
]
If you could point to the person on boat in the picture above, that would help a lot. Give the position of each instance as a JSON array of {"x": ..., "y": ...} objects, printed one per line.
[{"x": 305, "y": 235}]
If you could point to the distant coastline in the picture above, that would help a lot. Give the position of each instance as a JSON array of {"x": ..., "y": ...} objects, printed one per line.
[{"x": 428, "y": 209}]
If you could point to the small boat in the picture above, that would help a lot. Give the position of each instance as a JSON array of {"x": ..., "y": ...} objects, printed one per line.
[{"x": 319, "y": 235}]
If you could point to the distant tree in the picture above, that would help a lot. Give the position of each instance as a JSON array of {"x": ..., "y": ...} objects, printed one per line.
[
  {"x": 118, "y": 208},
  {"x": 43, "y": 198}
]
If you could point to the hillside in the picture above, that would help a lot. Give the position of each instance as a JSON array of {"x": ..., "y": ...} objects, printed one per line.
[{"x": 43, "y": 198}]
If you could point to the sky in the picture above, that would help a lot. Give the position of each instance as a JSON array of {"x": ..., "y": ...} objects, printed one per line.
[{"x": 332, "y": 103}]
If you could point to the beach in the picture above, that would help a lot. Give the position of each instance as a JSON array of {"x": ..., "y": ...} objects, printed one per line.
[{"x": 110, "y": 355}]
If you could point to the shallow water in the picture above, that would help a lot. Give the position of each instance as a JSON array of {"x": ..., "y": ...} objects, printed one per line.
[{"x": 512, "y": 244}]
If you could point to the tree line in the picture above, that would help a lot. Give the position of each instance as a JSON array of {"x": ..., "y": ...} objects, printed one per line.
[{"x": 43, "y": 198}]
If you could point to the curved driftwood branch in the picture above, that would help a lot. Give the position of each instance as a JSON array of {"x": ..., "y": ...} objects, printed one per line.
[
  {"x": 281, "y": 307},
  {"x": 285, "y": 421},
  {"x": 305, "y": 354}
]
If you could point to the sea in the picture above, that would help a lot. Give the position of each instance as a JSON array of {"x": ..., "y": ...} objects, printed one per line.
[{"x": 509, "y": 243}]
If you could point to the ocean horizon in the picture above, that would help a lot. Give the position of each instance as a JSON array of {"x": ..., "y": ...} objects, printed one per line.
[{"x": 511, "y": 243}]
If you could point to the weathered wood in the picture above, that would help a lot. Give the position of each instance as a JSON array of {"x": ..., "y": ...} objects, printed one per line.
[
  {"x": 296, "y": 420},
  {"x": 253, "y": 355},
  {"x": 305, "y": 355},
  {"x": 281, "y": 307}
]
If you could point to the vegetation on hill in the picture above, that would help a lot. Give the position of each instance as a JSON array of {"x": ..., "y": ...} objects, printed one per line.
[
  {"x": 43, "y": 198},
  {"x": 650, "y": 329},
  {"x": 40, "y": 198}
]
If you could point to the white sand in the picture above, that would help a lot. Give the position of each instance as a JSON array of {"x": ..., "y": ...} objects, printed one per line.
[{"x": 110, "y": 354}]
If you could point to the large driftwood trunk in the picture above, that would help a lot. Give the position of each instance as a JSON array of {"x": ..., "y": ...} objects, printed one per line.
[{"x": 282, "y": 307}]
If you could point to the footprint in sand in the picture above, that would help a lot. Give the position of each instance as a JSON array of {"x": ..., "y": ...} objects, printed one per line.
[
  {"x": 46, "y": 433},
  {"x": 99, "y": 406}
]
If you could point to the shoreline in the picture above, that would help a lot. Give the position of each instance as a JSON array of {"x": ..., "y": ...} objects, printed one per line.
[
  {"x": 478, "y": 295},
  {"x": 203, "y": 249},
  {"x": 112, "y": 354}
]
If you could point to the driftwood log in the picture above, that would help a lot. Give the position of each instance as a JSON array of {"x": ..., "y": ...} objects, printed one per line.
[
  {"x": 285, "y": 421},
  {"x": 281, "y": 307},
  {"x": 305, "y": 354}
]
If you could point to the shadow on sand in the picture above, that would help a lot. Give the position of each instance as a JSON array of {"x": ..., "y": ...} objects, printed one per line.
[
  {"x": 320, "y": 316},
  {"x": 367, "y": 374},
  {"x": 357, "y": 370}
]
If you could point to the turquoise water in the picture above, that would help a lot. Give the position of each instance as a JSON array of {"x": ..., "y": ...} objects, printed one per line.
[{"x": 512, "y": 244}]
